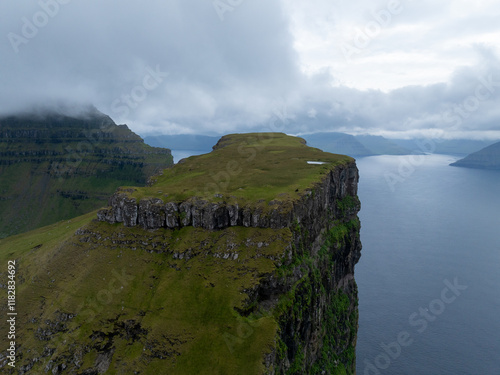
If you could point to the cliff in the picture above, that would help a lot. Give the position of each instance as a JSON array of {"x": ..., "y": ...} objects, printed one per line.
[
  {"x": 251, "y": 274},
  {"x": 55, "y": 167},
  {"x": 486, "y": 158}
]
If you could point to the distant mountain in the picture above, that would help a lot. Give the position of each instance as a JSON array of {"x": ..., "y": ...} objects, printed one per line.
[
  {"x": 182, "y": 142},
  {"x": 382, "y": 146},
  {"x": 55, "y": 167},
  {"x": 440, "y": 146},
  {"x": 338, "y": 143},
  {"x": 487, "y": 158}
]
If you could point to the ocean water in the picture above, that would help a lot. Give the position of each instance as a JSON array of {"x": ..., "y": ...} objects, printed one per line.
[
  {"x": 426, "y": 225},
  {"x": 181, "y": 154},
  {"x": 429, "y": 273}
]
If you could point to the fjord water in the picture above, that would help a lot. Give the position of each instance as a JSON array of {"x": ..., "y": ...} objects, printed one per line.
[
  {"x": 181, "y": 154},
  {"x": 437, "y": 226}
]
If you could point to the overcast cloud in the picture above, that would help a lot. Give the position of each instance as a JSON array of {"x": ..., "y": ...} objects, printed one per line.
[{"x": 397, "y": 68}]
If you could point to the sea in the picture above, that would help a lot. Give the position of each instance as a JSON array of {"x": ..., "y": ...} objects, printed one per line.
[
  {"x": 429, "y": 274},
  {"x": 181, "y": 154}
]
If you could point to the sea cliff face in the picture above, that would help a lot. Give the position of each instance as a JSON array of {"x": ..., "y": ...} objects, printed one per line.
[
  {"x": 154, "y": 213},
  {"x": 255, "y": 277},
  {"x": 318, "y": 320},
  {"x": 318, "y": 315}
]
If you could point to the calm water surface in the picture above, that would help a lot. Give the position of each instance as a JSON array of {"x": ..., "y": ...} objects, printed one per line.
[
  {"x": 181, "y": 154},
  {"x": 438, "y": 225}
]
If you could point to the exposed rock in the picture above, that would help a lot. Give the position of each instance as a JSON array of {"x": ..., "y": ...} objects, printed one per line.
[
  {"x": 154, "y": 213},
  {"x": 151, "y": 213},
  {"x": 172, "y": 215},
  {"x": 298, "y": 278}
]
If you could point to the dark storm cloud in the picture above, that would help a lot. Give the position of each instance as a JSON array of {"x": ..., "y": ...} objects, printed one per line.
[
  {"x": 104, "y": 52},
  {"x": 210, "y": 66}
]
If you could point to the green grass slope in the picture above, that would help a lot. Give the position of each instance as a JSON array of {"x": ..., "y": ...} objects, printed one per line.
[
  {"x": 55, "y": 167},
  {"x": 99, "y": 298},
  {"x": 159, "y": 313},
  {"x": 254, "y": 167}
]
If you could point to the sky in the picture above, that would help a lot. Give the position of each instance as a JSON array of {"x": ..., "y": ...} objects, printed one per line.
[{"x": 398, "y": 68}]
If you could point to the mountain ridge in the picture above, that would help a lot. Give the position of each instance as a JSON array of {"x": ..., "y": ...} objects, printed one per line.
[
  {"x": 101, "y": 297},
  {"x": 54, "y": 166},
  {"x": 486, "y": 158}
]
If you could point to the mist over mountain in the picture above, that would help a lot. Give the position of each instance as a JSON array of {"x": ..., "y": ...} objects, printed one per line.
[{"x": 56, "y": 165}]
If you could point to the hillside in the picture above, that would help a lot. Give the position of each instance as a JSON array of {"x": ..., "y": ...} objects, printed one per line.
[
  {"x": 381, "y": 146},
  {"x": 337, "y": 142},
  {"x": 487, "y": 158},
  {"x": 152, "y": 288},
  {"x": 359, "y": 145},
  {"x": 443, "y": 146},
  {"x": 55, "y": 167}
]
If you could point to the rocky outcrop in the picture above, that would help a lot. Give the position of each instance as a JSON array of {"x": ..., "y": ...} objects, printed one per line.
[
  {"x": 314, "y": 296},
  {"x": 154, "y": 213},
  {"x": 240, "y": 286},
  {"x": 317, "y": 302}
]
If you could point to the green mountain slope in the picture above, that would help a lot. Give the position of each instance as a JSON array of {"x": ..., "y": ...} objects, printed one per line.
[
  {"x": 381, "y": 146},
  {"x": 99, "y": 298},
  {"x": 339, "y": 143},
  {"x": 443, "y": 146},
  {"x": 55, "y": 167},
  {"x": 487, "y": 158}
]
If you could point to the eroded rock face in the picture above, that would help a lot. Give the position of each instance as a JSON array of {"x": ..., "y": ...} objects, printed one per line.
[
  {"x": 172, "y": 215},
  {"x": 153, "y": 213},
  {"x": 317, "y": 329}
]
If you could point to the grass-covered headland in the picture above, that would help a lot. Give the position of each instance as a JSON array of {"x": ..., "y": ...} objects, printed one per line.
[{"x": 100, "y": 298}]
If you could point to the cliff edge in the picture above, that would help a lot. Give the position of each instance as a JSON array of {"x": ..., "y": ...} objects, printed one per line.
[{"x": 237, "y": 261}]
